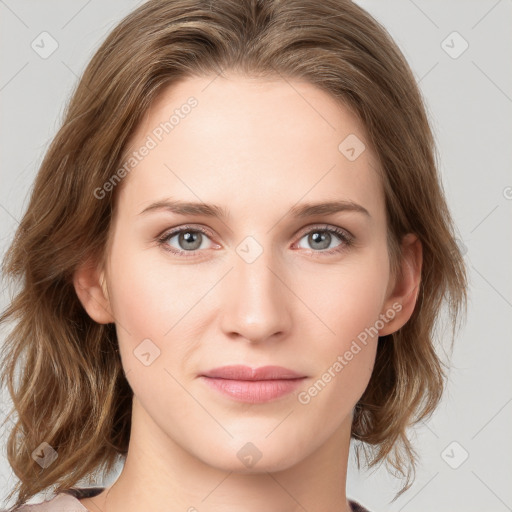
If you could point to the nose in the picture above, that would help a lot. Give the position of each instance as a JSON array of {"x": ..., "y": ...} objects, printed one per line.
[{"x": 257, "y": 302}]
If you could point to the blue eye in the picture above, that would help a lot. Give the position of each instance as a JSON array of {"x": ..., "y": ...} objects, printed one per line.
[{"x": 191, "y": 240}]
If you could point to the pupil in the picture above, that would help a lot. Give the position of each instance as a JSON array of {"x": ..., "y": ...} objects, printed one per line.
[
  {"x": 323, "y": 238},
  {"x": 190, "y": 238}
]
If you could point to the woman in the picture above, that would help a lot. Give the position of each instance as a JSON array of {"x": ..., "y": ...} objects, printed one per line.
[{"x": 234, "y": 254}]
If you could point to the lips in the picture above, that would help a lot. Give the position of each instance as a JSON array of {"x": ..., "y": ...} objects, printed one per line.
[
  {"x": 241, "y": 372},
  {"x": 253, "y": 385}
]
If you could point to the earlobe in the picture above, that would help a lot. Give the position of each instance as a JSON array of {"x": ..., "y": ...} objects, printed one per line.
[
  {"x": 404, "y": 293},
  {"x": 90, "y": 286}
]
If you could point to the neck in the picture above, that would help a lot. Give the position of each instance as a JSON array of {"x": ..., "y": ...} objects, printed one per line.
[{"x": 158, "y": 473}]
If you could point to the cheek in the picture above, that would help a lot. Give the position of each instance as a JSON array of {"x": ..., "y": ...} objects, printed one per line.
[
  {"x": 348, "y": 297},
  {"x": 149, "y": 295},
  {"x": 347, "y": 304},
  {"x": 150, "y": 300},
  {"x": 153, "y": 299}
]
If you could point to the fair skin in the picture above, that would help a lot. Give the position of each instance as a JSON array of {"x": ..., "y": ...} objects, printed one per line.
[{"x": 255, "y": 148}]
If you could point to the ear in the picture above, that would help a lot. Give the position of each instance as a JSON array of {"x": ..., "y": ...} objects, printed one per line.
[
  {"x": 90, "y": 286},
  {"x": 404, "y": 287}
]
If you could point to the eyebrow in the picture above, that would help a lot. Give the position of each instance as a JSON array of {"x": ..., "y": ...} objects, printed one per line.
[{"x": 212, "y": 210}]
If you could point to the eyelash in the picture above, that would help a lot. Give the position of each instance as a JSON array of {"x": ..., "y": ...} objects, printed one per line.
[{"x": 346, "y": 239}]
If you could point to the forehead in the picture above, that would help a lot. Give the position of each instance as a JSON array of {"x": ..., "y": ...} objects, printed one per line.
[{"x": 250, "y": 144}]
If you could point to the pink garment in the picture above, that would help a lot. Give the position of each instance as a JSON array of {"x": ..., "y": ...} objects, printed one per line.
[{"x": 60, "y": 503}]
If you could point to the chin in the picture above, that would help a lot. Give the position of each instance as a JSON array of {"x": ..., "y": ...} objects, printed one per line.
[{"x": 252, "y": 457}]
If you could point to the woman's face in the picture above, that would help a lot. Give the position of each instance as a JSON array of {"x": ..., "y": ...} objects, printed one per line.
[{"x": 264, "y": 284}]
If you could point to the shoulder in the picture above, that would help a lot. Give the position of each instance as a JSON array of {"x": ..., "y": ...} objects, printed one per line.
[
  {"x": 60, "y": 503},
  {"x": 66, "y": 501}
]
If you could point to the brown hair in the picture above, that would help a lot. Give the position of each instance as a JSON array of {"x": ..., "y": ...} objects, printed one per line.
[{"x": 72, "y": 392}]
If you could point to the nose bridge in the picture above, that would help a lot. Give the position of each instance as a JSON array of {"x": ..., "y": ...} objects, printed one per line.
[{"x": 256, "y": 302}]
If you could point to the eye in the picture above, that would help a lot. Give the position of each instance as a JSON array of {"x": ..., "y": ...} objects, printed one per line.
[
  {"x": 320, "y": 239},
  {"x": 188, "y": 240}
]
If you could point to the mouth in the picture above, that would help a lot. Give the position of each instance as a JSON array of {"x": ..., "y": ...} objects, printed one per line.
[{"x": 253, "y": 385}]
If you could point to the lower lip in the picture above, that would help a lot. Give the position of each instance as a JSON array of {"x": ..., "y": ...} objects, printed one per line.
[{"x": 253, "y": 391}]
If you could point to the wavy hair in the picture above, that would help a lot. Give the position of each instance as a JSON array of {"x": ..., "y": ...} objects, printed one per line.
[{"x": 63, "y": 371}]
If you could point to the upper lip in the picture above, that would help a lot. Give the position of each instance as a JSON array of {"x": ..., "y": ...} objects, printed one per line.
[{"x": 241, "y": 372}]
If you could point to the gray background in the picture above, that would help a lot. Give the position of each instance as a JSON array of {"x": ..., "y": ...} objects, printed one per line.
[{"x": 469, "y": 99}]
